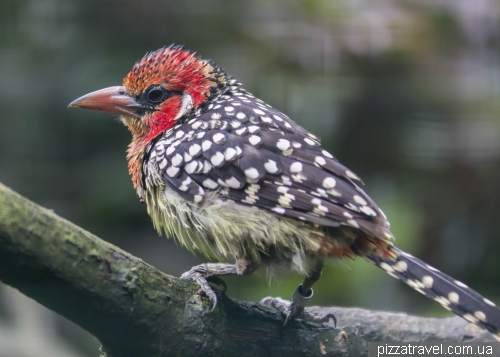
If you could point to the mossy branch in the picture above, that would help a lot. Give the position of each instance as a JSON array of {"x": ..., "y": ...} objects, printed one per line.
[{"x": 136, "y": 310}]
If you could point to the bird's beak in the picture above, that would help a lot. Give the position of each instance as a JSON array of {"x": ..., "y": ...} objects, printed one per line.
[{"x": 112, "y": 100}]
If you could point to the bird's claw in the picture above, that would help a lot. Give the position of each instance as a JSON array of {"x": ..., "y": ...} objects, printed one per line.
[
  {"x": 200, "y": 274},
  {"x": 295, "y": 308},
  {"x": 307, "y": 316}
]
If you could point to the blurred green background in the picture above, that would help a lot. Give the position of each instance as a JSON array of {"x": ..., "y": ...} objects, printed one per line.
[{"x": 405, "y": 93}]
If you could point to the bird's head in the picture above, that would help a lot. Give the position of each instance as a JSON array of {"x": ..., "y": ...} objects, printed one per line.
[{"x": 162, "y": 88}]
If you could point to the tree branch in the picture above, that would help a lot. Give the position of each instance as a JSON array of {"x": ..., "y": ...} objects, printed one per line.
[{"x": 134, "y": 309}]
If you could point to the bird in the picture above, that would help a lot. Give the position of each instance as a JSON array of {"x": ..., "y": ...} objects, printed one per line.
[{"x": 235, "y": 179}]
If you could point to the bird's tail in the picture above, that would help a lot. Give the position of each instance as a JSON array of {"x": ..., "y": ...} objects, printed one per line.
[{"x": 452, "y": 294}]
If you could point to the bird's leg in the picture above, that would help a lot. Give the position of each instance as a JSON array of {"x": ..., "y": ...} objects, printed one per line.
[
  {"x": 300, "y": 299},
  {"x": 206, "y": 272}
]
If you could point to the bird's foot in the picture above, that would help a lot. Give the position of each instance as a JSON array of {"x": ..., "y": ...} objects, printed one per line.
[
  {"x": 205, "y": 273},
  {"x": 295, "y": 308}
]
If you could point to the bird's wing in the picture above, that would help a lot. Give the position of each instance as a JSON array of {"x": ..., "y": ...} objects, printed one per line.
[{"x": 257, "y": 156}]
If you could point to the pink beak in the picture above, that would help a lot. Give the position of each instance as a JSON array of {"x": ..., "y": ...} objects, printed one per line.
[{"x": 113, "y": 100}]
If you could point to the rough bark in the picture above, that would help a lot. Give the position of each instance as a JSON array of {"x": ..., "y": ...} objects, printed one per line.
[{"x": 136, "y": 310}]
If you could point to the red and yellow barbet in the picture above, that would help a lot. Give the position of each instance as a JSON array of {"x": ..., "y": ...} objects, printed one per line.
[{"x": 235, "y": 179}]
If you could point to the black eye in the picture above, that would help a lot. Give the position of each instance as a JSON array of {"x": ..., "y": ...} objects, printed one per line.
[{"x": 156, "y": 95}]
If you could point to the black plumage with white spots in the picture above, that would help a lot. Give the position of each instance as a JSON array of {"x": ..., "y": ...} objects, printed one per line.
[{"x": 255, "y": 155}]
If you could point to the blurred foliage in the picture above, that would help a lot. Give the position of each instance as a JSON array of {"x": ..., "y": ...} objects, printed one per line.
[{"x": 405, "y": 93}]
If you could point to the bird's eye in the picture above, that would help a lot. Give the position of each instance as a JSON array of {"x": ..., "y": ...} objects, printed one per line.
[{"x": 156, "y": 95}]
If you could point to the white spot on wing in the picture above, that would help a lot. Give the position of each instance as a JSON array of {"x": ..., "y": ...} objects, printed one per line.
[
  {"x": 359, "y": 200},
  {"x": 207, "y": 144},
  {"x": 207, "y": 166},
  {"x": 252, "y": 173},
  {"x": 179, "y": 134},
  {"x": 271, "y": 166},
  {"x": 296, "y": 167},
  {"x": 217, "y": 159},
  {"x": 197, "y": 198},
  {"x": 279, "y": 210},
  {"x": 194, "y": 149},
  {"x": 187, "y": 157},
  {"x": 283, "y": 144},
  {"x": 172, "y": 171},
  {"x": 229, "y": 153},
  {"x": 170, "y": 150},
  {"x": 329, "y": 182},
  {"x": 253, "y": 128},
  {"x": 191, "y": 167},
  {"x": 351, "y": 175},
  {"x": 254, "y": 139},
  {"x": 209, "y": 183},
  {"x": 319, "y": 160},
  {"x": 353, "y": 223},
  {"x": 367, "y": 210},
  {"x": 233, "y": 182},
  {"x": 218, "y": 138},
  {"x": 241, "y": 131},
  {"x": 489, "y": 302},
  {"x": 327, "y": 154},
  {"x": 176, "y": 160},
  {"x": 308, "y": 141}
]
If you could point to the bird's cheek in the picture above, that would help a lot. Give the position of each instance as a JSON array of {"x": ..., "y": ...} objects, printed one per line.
[
  {"x": 164, "y": 117},
  {"x": 168, "y": 110}
]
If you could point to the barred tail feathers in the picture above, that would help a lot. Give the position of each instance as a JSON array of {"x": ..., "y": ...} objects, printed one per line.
[{"x": 452, "y": 294}]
